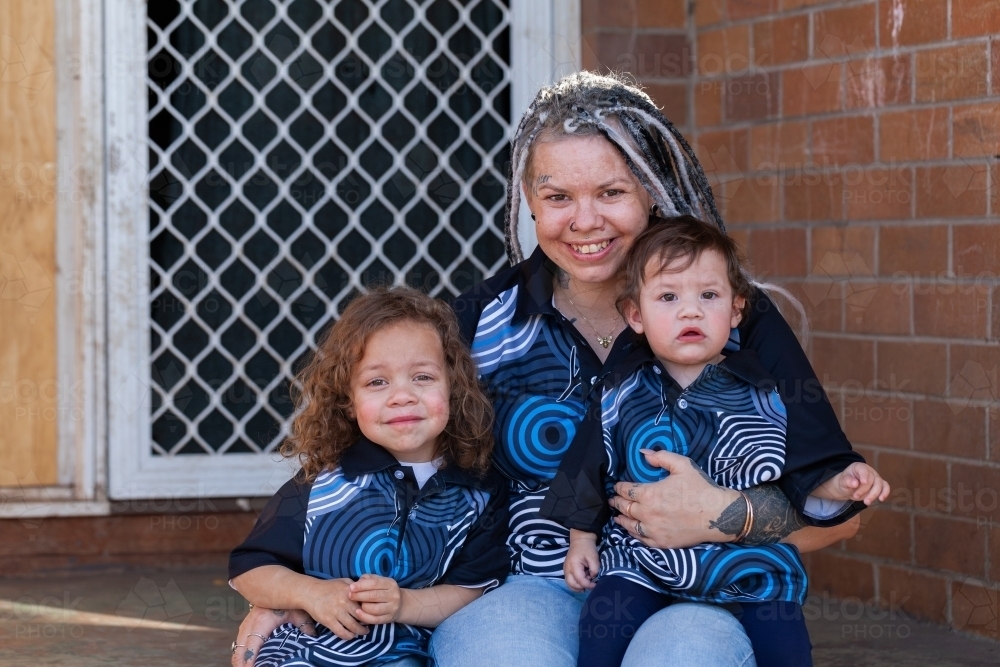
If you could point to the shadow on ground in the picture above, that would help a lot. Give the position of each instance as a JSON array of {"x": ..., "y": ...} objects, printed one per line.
[{"x": 147, "y": 618}]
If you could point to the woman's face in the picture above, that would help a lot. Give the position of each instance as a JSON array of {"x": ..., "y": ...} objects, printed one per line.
[{"x": 588, "y": 205}]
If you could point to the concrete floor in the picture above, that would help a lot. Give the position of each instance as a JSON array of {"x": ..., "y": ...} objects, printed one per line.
[{"x": 188, "y": 619}]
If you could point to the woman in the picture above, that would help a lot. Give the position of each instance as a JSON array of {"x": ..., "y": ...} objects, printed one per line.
[{"x": 593, "y": 157}]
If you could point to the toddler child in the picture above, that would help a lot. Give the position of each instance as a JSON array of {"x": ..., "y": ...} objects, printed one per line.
[
  {"x": 393, "y": 522},
  {"x": 685, "y": 289}
]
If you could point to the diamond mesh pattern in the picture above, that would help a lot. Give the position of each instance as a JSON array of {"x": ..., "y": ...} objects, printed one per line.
[{"x": 300, "y": 150}]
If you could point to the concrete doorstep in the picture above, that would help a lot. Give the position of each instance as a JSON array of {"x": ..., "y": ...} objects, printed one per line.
[{"x": 142, "y": 618}]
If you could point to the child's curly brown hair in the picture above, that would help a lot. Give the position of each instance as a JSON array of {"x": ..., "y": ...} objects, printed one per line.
[{"x": 322, "y": 430}]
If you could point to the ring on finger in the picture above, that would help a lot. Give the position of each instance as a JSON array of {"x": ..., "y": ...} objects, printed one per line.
[
  {"x": 232, "y": 649},
  {"x": 638, "y": 529},
  {"x": 255, "y": 634},
  {"x": 628, "y": 509}
]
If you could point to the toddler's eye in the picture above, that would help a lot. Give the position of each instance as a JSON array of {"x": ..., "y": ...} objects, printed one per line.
[
  {"x": 669, "y": 296},
  {"x": 424, "y": 377},
  {"x": 709, "y": 295},
  {"x": 377, "y": 382}
]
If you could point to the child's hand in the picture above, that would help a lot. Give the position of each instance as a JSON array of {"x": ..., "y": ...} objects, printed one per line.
[
  {"x": 858, "y": 482},
  {"x": 379, "y": 598},
  {"x": 582, "y": 562},
  {"x": 333, "y": 607}
]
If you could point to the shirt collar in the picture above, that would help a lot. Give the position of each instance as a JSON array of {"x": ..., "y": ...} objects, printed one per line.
[
  {"x": 365, "y": 457},
  {"x": 743, "y": 364},
  {"x": 537, "y": 274}
]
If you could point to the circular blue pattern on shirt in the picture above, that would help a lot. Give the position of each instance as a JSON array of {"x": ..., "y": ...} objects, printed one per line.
[
  {"x": 667, "y": 435},
  {"x": 377, "y": 555},
  {"x": 539, "y": 431}
]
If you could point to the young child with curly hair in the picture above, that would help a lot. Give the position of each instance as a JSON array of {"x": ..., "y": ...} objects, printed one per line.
[{"x": 394, "y": 521}]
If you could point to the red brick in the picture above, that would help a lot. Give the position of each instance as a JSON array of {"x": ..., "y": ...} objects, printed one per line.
[
  {"x": 906, "y": 251},
  {"x": 840, "y": 141},
  {"x": 995, "y": 67},
  {"x": 708, "y": 103},
  {"x": 724, "y": 51},
  {"x": 945, "y": 309},
  {"x": 751, "y": 200},
  {"x": 661, "y": 13},
  {"x": 823, "y": 302},
  {"x": 795, "y": 4},
  {"x": 977, "y": 491},
  {"x": 975, "y": 608},
  {"x": 955, "y": 191},
  {"x": 919, "y": 595},
  {"x": 976, "y": 130},
  {"x": 917, "y": 483},
  {"x": 745, "y": 9},
  {"x": 935, "y": 544},
  {"x": 643, "y": 55},
  {"x": 723, "y": 151},
  {"x": 840, "y": 576},
  {"x": 974, "y": 374},
  {"x": 994, "y": 549},
  {"x": 780, "y": 41},
  {"x": 922, "y": 21},
  {"x": 970, "y": 18},
  {"x": 810, "y": 90},
  {"x": 813, "y": 196},
  {"x": 850, "y": 242},
  {"x": 885, "y": 533},
  {"x": 949, "y": 428},
  {"x": 707, "y": 12},
  {"x": 843, "y": 31},
  {"x": 778, "y": 146},
  {"x": 952, "y": 73},
  {"x": 877, "y": 421},
  {"x": 838, "y": 361},
  {"x": 919, "y": 368},
  {"x": 994, "y": 183},
  {"x": 913, "y": 135},
  {"x": 606, "y": 14},
  {"x": 672, "y": 99},
  {"x": 883, "y": 310},
  {"x": 751, "y": 97},
  {"x": 878, "y": 193},
  {"x": 778, "y": 252},
  {"x": 976, "y": 249},
  {"x": 877, "y": 82}
]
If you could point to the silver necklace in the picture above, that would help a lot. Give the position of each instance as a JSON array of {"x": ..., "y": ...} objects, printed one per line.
[{"x": 604, "y": 341}]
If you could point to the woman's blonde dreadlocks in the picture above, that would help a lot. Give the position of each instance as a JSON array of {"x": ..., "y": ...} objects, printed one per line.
[{"x": 586, "y": 103}]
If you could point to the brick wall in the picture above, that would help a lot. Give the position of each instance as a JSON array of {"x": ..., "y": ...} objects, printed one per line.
[{"x": 854, "y": 146}]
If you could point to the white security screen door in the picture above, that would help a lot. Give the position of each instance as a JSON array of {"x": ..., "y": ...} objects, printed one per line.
[{"x": 269, "y": 160}]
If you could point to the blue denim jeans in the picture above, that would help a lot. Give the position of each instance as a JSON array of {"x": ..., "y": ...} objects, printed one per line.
[{"x": 533, "y": 621}]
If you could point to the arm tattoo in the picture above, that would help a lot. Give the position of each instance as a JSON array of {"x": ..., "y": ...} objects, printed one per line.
[
  {"x": 774, "y": 516},
  {"x": 278, "y": 612}
]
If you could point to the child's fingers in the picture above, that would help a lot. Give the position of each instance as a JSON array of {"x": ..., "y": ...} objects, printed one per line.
[
  {"x": 877, "y": 492},
  {"x": 378, "y": 595},
  {"x": 373, "y": 618}
]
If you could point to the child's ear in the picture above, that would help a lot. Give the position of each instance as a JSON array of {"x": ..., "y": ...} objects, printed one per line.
[
  {"x": 738, "y": 304},
  {"x": 633, "y": 316}
]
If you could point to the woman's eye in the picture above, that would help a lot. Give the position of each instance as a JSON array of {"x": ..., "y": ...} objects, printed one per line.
[
  {"x": 556, "y": 197},
  {"x": 612, "y": 193}
]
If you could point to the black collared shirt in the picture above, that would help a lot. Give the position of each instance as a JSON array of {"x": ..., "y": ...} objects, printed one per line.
[
  {"x": 541, "y": 374},
  {"x": 368, "y": 515}
]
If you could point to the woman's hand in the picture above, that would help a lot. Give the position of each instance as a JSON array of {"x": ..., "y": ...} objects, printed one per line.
[
  {"x": 260, "y": 623},
  {"x": 680, "y": 511},
  {"x": 379, "y": 598},
  {"x": 330, "y": 603}
]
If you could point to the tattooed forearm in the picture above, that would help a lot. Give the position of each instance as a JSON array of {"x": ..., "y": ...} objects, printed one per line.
[
  {"x": 732, "y": 519},
  {"x": 773, "y": 516}
]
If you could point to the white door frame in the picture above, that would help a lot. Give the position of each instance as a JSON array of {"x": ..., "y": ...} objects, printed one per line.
[{"x": 541, "y": 50}]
